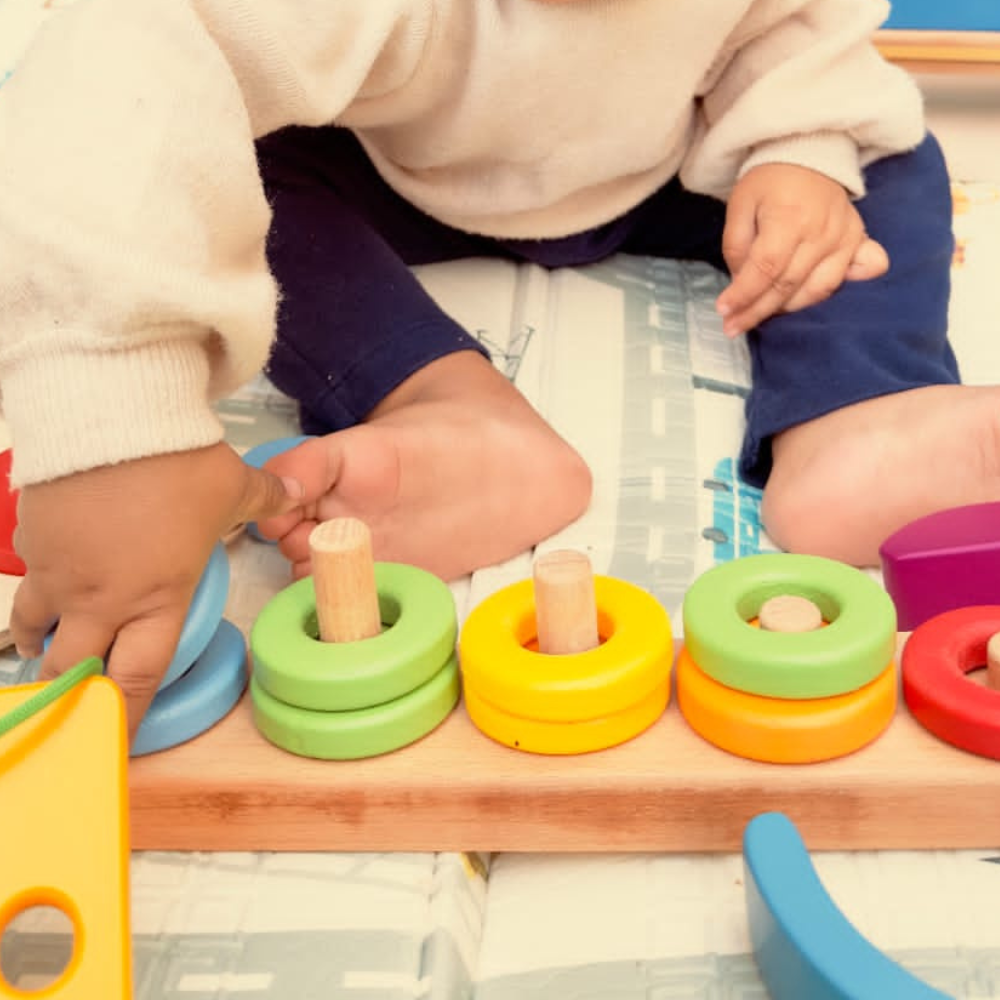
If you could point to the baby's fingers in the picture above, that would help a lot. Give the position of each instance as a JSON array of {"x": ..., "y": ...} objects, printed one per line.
[
  {"x": 869, "y": 261},
  {"x": 301, "y": 569},
  {"x": 824, "y": 279},
  {"x": 772, "y": 275},
  {"x": 294, "y": 546},
  {"x": 139, "y": 658},
  {"x": 31, "y": 619}
]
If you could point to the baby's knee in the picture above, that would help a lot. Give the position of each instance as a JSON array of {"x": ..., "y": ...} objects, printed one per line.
[{"x": 791, "y": 514}]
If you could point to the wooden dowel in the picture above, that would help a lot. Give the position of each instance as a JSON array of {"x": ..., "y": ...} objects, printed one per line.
[
  {"x": 565, "y": 604},
  {"x": 344, "y": 577},
  {"x": 993, "y": 662},
  {"x": 789, "y": 613}
]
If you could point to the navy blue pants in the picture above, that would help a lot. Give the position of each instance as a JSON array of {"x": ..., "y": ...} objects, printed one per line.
[{"x": 353, "y": 321}]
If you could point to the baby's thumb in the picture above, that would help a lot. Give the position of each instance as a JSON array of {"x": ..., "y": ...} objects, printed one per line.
[
  {"x": 267, "y": 495},
  {"x": 869, "y": 261}
]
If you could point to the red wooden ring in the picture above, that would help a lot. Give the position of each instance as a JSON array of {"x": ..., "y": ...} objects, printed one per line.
[{"x": 936, "y": 658}]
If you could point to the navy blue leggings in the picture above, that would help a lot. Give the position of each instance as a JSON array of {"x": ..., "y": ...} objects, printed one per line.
[{"x": 353, "y": 321}]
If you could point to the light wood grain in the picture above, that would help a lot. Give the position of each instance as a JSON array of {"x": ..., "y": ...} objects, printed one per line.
[
  {"x": 993, "y": 662},
  {"x": 789, "y": 613},
  {"x": 565, "y": 603},
  {"x": 667, "y": 790},
  {"x": 343, "y": 569},
  {"x": 937, "y": 51}
]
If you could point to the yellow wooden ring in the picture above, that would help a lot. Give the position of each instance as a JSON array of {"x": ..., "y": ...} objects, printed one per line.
[
  {"x": 779, "y": 730},
  {"x": 584, "y": 736},
  {"x": 633, "y": 659}
]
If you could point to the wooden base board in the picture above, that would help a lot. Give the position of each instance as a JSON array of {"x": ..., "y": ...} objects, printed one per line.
[
  {"x": 942, "y": 51},
  {"x": 667, "y": 790}
]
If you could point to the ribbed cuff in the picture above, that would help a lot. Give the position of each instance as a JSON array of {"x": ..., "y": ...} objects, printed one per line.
[
  {"x": 831, "y": 153},
  {"x": 76, "y": 409}
]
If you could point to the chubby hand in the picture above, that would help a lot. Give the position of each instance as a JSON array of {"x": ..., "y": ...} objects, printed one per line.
[
  {"x": 791, "y": 238},
  {"x": 114, "y": 555}
]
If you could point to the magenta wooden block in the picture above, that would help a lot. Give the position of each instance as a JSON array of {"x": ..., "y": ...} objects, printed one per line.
[{"x": 946, "y": 560}]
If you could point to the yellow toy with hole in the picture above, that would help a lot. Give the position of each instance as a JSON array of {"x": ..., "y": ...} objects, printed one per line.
[
  {"x": 64, "y": 842},
  {"x": 566, "y": 663}
]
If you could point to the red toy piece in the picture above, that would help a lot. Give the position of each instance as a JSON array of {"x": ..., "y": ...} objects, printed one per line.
[
  {"x": 936, "y": 658},
  {"x": 10, "y": 562}
]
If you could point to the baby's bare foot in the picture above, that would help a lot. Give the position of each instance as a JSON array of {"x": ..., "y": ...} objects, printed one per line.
[
  {"x": 844, "y": 482},
  {"x": 454, "y": 471}
]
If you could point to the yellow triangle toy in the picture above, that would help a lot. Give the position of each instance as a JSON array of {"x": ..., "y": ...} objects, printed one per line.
[{"x": 64, "y": 836}]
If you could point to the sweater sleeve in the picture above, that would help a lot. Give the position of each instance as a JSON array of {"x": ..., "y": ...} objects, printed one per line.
[
  {"x": 802, "y": 83},
  {"x": 134, "y": 287}
]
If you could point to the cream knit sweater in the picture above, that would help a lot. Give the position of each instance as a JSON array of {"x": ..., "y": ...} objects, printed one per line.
[{"x": 133, "y": 282}]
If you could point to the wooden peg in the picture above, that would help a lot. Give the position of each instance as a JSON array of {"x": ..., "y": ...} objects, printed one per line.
[
  {"x": 993, "y": 662},
  {"x": 565, "y": 604},
  {"x": 789, "y": 613},
  {"x": 344, "y": 577}
]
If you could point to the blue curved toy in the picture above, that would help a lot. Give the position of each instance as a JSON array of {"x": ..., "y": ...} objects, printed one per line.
[
  {"x": 199, "y": 699},
  {"x": 804, "y": 946},
  {"x": 258, "y": 455}
]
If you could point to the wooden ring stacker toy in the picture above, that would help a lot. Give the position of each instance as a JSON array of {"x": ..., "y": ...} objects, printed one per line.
[
  {"x": 567, "y": 662},
  {"x": 854, "y": 648},
  {"x": 936, "y": 659},
  {"x": 785, "y": 730},
  {"x": 804, "y": 947},
  {"x": 357, "y": 689}
]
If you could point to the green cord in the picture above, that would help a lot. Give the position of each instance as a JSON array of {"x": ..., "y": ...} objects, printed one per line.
[{"x": 54, "y": 689}]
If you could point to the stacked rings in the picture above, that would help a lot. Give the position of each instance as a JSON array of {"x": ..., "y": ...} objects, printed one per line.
[
  {"x": 208, "y": 672},
  {"x": 573, "y": 703},
  {"x": 936, "y": 659},
  {"x": 787, "y": 697},
  {"x": 346, "y": 700}
]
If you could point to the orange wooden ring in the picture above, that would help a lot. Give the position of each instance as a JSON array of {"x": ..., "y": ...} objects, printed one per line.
[{"x": 779, "y": 730}]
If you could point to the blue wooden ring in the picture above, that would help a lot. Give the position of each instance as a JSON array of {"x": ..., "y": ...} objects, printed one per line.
[
  {"x": 260, "y": 454},
  {"x": 204, "y": 614},
  {"x": 201, "y": 698},
  {"x": 802, "y": 943}
]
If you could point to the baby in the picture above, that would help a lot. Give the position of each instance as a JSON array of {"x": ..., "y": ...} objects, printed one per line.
[{"x": 186, "y": 186}]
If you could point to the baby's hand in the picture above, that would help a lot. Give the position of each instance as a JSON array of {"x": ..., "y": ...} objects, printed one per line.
[
  {"x": 792, "y": 237},
  {"x": 114, "y": 555}
]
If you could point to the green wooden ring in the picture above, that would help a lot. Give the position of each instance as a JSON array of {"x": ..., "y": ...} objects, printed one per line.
[
  {"x": 363, "y": 732},
  {"x": 850, "y": 652},
  {"x": 292, "y": 665}
]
